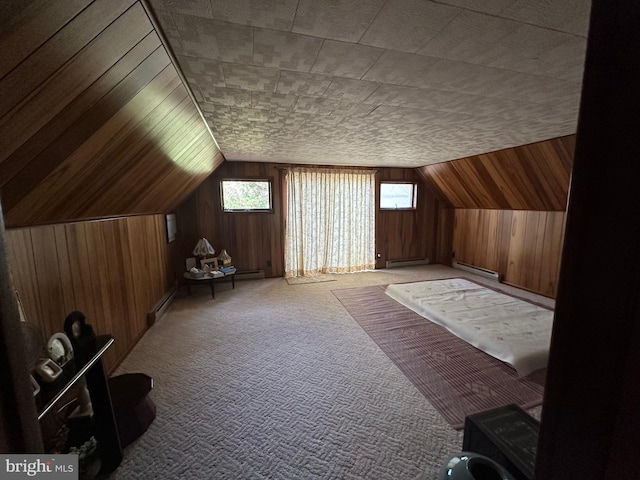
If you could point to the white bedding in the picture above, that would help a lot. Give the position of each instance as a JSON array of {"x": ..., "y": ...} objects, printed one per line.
[{"x": 509, "y": 329}]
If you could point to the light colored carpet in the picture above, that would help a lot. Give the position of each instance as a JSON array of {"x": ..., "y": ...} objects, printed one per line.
[
  {"x": 272, "y": 382},
  {"x": 326, "y": 277}
]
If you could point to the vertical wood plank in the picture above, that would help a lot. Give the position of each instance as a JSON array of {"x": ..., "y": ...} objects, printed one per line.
[
  {"x": 45, "y": 263},
  {"x": 21, "y": 261},
  {"x": 64, "y": 267},
  {"x": 80, "y": 261}
]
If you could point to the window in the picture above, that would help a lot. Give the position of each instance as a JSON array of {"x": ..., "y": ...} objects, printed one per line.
[
  {"x": 246, "y": 195},
  {"x": 398, "y": 196}
]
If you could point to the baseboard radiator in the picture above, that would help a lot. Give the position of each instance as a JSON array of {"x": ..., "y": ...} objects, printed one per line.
[
  {"x": 477, "y": 270},
  {"x": 154, "y": 315},
  {"x": 249, "y": 274},
  {"x": 406, "y": 263}
]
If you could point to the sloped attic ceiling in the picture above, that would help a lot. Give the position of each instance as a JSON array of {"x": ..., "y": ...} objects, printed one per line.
[
  {"x": 379, "y": 82},
  {"x": 95, "y": 120}
]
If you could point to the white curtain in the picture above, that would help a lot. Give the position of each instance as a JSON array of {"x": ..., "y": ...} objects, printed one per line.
[{"x": 330, "y": 226}]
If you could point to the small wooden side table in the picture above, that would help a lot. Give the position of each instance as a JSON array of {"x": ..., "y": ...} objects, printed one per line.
[{"x": 211, "y": 278}]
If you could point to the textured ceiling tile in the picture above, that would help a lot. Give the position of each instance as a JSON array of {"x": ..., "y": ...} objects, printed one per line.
[
  {"x": 315, "y": 105},
  {"x": 157, "y": 5},
  {"x": 199, "y": 8},
  {"x": 520, "y": 50},
  {"x": 323, "y": 124},
  {"x": 296, "y": 83},
  {"x": 244, "y": 117},
  {"x": 173, "y": 37},
  {"x": 469, "y": 79},
  {"x": 453, "y": 76},
  {"x": 276, "y": 14},
  {"x": 399, "y": 68},
  {"x": 565, "y": 61},
  {"x": 345, "y": 59},
  {"x": 407, "y": 25},
  {"x": 272, "y": 100},
  {"x": 250, "y": 78},
  {"x": 571, "y": 16},
  {"x": 394, "y": 95},
  {"x": 401, "y": 115},
  {"x": 203, "y": 37},
  {"x": 202, "y": 72},
  {"x": 493, "y": 7},
  {"x": 383, "y": 126},
  {"x": 287, "y": 122},
  {"x": 504, "y": 109},
  {"x": 218, "y": 116},
  {"x": 552, "y": 114},
  {"x": 533, "y": 89},
  {"x": 197, "y": 94},
  {"x": 232, "y": 97},
  {"x": 440, "y": 100},
  {"x": 168, "y": 25},
  {"x": 570, "y": 102},
  {"x": 343, "y": 20},
  {"x": 468, "y": 36},
  {"x": 285, "y": 50},
  {"x": 349, "y": 89},
  {"x": 414, "y": 97},
  {"x": 353, "y": 110}
]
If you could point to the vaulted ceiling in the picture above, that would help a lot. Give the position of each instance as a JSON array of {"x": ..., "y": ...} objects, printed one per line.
[
  {"x": 379, "y": 82},
  {"x": 120, "y": 107}
]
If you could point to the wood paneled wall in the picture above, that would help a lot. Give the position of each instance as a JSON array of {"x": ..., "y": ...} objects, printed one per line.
[
  {"x": 412, "y": 234},
  {"x": 530, "y": 177},
  {"x": 524, "y": 247},
  {"x": 95, "y": 121},
  {"x": 114, "y": 271},
  {"x": 509, "y": 210},
  {"x": 256, "y": 240}
]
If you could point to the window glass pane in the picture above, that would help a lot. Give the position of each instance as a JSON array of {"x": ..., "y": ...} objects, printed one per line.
[
  {"x": 246, "y": 195},
  {"x": 397, "y": 195}
]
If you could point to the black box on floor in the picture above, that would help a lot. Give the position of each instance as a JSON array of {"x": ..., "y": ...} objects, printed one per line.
[{"x": 508, "y": 435}]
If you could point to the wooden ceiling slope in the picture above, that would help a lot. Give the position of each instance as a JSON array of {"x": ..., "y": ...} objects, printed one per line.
[
  {"x": 95, "y": 121},
  {"x": 530, "y": 177}
]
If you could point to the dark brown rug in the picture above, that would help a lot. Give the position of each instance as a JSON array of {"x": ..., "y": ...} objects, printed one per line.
[{"x": 457, "y": 378}]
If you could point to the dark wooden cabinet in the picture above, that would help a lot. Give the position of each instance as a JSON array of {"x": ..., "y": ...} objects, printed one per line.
[{"x": 105, "y": 427}]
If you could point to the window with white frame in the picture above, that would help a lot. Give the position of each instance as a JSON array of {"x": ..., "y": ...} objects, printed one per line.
[{"x": 398, "y": 195}]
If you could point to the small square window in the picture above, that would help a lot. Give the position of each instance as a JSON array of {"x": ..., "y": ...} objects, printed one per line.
[
  {"x": 398, "y": 196},
  {"x": 246, "y": 195}
]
